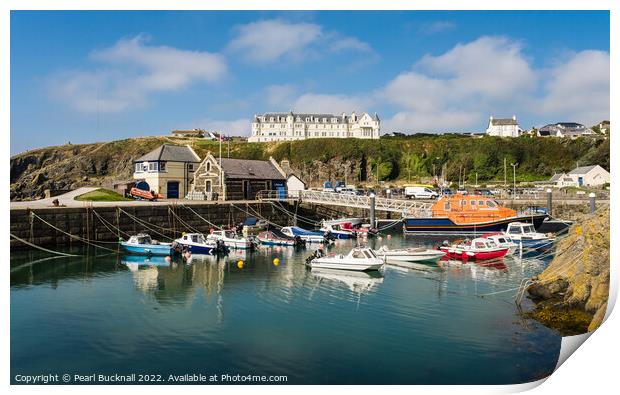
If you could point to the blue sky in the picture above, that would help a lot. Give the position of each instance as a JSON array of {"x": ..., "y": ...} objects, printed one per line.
[{"x": 96, "y": 76}]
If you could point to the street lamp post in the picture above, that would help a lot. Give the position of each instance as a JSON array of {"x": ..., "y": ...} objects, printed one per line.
[{"x": 514, "y": 178}]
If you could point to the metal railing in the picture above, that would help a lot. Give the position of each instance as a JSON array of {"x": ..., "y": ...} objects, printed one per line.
[{"x": 405, "y": 207}]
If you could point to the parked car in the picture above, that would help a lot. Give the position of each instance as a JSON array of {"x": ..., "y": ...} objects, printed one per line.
[
  {"x": 445, "y": 191},
  {"x": 348, "y": 191},
  {"x": 483, "y": 192},
  {"x": 420, "y": 193},
  {"x": 461, "y": 191}
]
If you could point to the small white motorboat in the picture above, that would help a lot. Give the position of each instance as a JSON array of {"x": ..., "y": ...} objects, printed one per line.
[
  {"x": 525, "y": 235},
  {"x": 231, "y": 239},
  {"x": 359, "y": 259},
  {"x": 503, "y": 241},
  {"x": 197, "y": 244},
  {"x": 416, "y": 255}
]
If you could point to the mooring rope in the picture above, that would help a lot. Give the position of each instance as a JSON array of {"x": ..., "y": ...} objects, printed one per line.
[
  {"x": 111, "y": 227},
  {"x": 74, "y": 236},
  {"x": 39, "y": 247},
  {"x": 149, "y": 225},
  {"x": 202, "y": 218},
  {"x": 182, "y": 222}
]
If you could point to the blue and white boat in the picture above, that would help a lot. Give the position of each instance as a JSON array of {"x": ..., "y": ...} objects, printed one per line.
[
  {"x": 525, "y": 236},
  {"x": 143, "y": 244},
  {"x": 196, "y": 243},
  {"x": 307, "y": 235}
]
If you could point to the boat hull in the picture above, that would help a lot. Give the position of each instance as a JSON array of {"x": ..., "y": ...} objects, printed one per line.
[
  {"x": 445, "y": 226},
  {"x": 475, "y": 255},
  {"x": 418, "y": 258},
  {"x": 198, "y": 249},
  {"x": 274, "y": 242},
  {"x": 147, "y": 249},
  {"x": 346, "y": 264}
]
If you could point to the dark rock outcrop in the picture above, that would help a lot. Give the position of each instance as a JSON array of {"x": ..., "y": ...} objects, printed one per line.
[{"x": 573, "y": 290}]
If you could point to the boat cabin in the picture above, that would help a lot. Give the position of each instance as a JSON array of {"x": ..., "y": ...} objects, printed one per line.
[
  {"x": 196, "y": 238},
  {"x": 520, "y": 228},
  {"x": 141, "y": 238},
  {"x": 470, "y": 208},
  {"x": 363, "y": 253}
]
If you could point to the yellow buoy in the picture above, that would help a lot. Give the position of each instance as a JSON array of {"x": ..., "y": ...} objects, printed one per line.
[
  {"x": 276, "y": 261},
  {"x": 240, "y": 264}
]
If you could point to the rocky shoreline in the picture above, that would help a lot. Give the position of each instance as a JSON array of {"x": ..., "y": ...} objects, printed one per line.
[{"x": 571, "y": 294}]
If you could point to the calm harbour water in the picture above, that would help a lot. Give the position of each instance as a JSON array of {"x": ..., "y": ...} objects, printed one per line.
[{"x": 127, "y": 314}]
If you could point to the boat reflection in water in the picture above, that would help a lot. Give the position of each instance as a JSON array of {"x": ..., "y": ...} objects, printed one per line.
[{"x": 358, "y": 282}]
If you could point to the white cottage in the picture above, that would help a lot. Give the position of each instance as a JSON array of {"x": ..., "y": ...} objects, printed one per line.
[
  {"x": 504, "y": 127},
  {"x": 585, "y": 176}
]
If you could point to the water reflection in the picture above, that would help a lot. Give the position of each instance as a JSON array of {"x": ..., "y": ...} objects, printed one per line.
[{"x": 273, "y": 315}]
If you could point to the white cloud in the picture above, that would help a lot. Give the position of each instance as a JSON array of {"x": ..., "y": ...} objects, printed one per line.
[
  {"x": 236, "y": 127},
  {"x": 126, "y": 73},
  {"x": 349, "y": 43},
  {"x": 273, "y": 40},
  {"x": 460, "y": 88},
  {"x": 268, "y": 40},
  {"x": 578, "y": 89}
]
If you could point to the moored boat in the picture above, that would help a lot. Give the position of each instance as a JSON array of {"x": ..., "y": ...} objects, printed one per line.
[
  {"x": 479, "y": 248},
  {"x": 231, "y": 239},
  {"x": 358, "y": 259},
  {"x": 524, "y": 235},
  {"x": 466, "y": 215},
  {"x": 502, "y": 240},
  {"x": 337, "y": 231},
  {"x": 307, "y": 235},
  {"x": 416, "y": 255},
  {"x": 196, "y": 243},
  {"x": 276, "y": 238},
  {"x": 143, "y": 244}
]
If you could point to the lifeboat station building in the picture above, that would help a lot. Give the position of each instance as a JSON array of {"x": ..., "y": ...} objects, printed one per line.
[
  {"x": 166, "y": 170},
  {"x": 237, "y": 179}
]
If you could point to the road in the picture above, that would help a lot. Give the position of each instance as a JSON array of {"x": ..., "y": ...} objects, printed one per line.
[{"x": 68, "y": 200}]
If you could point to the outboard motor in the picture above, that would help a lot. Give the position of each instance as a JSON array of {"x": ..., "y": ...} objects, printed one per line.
[
  {"x": 177, "y": 248},
  {"x": 329, "y": 236},
  {"x": 221, "y": 247}
]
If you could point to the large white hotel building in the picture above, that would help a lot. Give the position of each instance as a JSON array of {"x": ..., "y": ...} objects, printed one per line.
[{"x": 290, "y": 126}]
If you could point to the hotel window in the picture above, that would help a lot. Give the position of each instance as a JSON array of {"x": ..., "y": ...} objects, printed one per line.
[
  {"x": 152, "y": 166},
  {"x": 138, "y": 167},
  {"x": 190, "y": 166},
  {"x": 162, "y": 166}
]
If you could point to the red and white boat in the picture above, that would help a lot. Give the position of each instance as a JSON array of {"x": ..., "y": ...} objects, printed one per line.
[
  {"x": 477, "y": 249},
  {"x": 358, "y": 229}
]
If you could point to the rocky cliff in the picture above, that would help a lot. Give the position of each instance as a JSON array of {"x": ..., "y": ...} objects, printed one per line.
[
  {"x": 406, "y": 159},
  {"x": 71, "y": 166},
  {"x": 571, "y": 293}
]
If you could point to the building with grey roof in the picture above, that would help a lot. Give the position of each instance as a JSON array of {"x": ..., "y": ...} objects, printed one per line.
[
  {"x": 565, "y": 129},
  {"x": 282, "y": 126},
  {"x": 167, "y": 170},
  {"x": 237, "y": 179},
  {"x": 503, "y": 127},
  {"x": 584, "y": 176}
]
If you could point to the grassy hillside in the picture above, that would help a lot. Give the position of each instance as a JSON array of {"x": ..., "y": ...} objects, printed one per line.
[{"x": 396, "y": 159}]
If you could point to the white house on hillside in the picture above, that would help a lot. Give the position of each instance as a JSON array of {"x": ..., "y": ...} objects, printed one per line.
[
  {"x": 504, "y": 127},
  {"x": 589, "y": 176},
  {"x": 291, "y": 126}
]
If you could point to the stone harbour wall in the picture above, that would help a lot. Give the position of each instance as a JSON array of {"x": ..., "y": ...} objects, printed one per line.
[{"x": 101, "y": 223}]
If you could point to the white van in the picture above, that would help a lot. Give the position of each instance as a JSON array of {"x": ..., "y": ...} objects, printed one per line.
[{"x": 420, "y": 193}]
